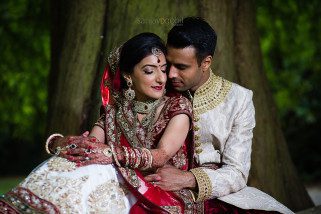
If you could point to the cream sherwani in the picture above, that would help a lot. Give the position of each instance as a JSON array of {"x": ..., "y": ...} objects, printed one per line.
[{"x": 224, "y": 121}]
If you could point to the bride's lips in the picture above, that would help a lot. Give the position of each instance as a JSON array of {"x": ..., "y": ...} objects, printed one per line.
[{"x": 158, "y": 88}]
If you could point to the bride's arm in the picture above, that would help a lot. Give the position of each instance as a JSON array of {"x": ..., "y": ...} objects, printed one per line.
[
  {"x": 98, "y": 133},
  {"x": 172, "y": 140}
]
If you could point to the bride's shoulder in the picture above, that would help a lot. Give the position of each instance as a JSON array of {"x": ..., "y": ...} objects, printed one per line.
[
  {"x": 178, "y": 98},
  {"x": 177, "y": 103}
]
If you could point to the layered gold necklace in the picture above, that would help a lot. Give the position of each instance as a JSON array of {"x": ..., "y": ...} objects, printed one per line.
[
  {"x": 149, "y": 108},
  {"x": 144, "y": 107}
]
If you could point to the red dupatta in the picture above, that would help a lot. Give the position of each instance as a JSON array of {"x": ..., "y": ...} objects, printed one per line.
[{"x": 150, "y": 198}]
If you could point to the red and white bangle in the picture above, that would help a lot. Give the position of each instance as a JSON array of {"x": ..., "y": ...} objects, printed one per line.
[
  {"x": 148, "y": 159},
  {"x": 138, "y": 157},
  {"x": 126, "y": 155},
  {"x": 114, "y": 155},
  {"x": 50, "y": 139}
]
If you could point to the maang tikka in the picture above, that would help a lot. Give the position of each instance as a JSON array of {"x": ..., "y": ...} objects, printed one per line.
[
  {"x": 129, "y": 93},
  {"x": 157, "y": 52}
]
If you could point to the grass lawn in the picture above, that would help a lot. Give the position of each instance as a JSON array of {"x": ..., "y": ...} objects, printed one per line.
[{"x": 6, "y": 183}]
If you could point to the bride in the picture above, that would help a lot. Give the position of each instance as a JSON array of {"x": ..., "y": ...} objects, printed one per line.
[{"x": 139, "y": 130}]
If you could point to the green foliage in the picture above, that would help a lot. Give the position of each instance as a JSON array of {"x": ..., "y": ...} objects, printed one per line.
[
  {"x": 290, "y": 41},
  {"x": 25, "y": 61},
  {"x": 8, "y": 183}
]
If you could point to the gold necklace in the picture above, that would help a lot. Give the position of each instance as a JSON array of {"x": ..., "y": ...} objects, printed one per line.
[
  {"x": 149, "y": 108},
  {"x": 144, "y": 107}
]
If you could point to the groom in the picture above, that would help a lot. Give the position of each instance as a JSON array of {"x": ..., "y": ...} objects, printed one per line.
[
  {"x": 224, "y": 119},
  {"x": 223, "y": 127}
]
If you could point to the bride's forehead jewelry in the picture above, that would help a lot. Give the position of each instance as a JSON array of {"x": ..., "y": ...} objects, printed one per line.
[{"x": 157, "y": 52}]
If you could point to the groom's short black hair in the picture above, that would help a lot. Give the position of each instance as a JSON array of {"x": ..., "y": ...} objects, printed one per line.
[{"x": 195, "y": 32}]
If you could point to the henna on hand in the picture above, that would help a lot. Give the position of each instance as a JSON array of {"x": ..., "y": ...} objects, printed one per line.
[
  {"x": 160, "y": 158},
  {"x": 92, "y": 154},
  {"x": 170, "y": 178},
  {"x": 75, "y": 145}
]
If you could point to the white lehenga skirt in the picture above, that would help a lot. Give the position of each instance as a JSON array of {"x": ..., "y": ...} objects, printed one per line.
[{"x": 89, "y": 189}]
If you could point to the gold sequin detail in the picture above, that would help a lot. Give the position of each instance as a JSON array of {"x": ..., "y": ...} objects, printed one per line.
[
  {"x": 107, "y": 198},
  {"x": 198, "y": 150},
  {"x": 62, "y": 191},
  {"x": 172, "y": 209},
  {"x": 59, "y": 164},
  {"x": 204, "y": 184},
  {"x": 198, "y": 144},
  {"x": 210, "y": 94}
]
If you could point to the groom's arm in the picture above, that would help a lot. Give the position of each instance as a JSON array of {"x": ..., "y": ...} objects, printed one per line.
[
  {"x": 170, "y": 178},
  {"x": 232, "y": 176}
]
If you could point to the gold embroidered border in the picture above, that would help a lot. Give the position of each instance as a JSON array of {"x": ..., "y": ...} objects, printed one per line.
[
  {"x": 210, "y": 94},
  {"x": 204, "y": 184},
  {"x": 172, "y": 209}
]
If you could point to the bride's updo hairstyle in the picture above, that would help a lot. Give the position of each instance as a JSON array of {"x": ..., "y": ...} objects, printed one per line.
[{"x": 136, "y": 49}]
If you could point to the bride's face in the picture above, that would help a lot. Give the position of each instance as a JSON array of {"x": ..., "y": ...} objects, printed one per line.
[{"x": 149, "y": 77}]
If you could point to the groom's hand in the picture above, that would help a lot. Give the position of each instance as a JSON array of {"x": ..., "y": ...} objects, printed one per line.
[{"x": 170, "y": 178}]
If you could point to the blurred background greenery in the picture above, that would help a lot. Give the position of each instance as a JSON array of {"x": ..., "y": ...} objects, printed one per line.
[{"x": 290, "y": 41}]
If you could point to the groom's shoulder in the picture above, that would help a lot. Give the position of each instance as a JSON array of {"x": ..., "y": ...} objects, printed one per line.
[{"x": 236, "y": 91}]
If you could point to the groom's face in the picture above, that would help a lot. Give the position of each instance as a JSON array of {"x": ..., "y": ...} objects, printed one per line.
[{"x": 184, "y": 71}]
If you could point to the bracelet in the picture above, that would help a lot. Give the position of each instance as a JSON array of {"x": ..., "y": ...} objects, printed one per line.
[
  {"x": 144, "y": 159},
  {"x": 126, "y": 155},
  {"x": 114, "y": 155},
  {"x": 100, "y": 122},
  {"x": 132, "y": 157},
  {"x": 99, "y": 125},
  {"x": 49, "y": 141},
  {"x": 148, "y": 159},
  {"x": 138, "y": 158}
]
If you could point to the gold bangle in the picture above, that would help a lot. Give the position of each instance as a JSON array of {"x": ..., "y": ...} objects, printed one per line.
[
  {"x": 138, "y": 158},
  {"x": 114, "y": 155},
  {"x": 148, "y": 159},
  {"x": 126, "y": 155},
  {"x": 49, "y": 139},
  {"x": 99, "y": 125}
]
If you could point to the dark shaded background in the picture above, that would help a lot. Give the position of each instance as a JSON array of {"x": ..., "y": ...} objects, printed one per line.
[{"x": 290, "y": 43}]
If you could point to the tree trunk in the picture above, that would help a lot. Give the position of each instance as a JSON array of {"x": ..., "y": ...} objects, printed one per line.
[
  {"x": 80, "y": 46},
  {"x": 77, "y": 27},
  {"x": 238, "y": 58}
]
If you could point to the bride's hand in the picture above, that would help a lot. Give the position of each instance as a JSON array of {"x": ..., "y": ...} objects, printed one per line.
[
  {"x": 77, "y": 145},
  {"x": 64, "y": 142},
  {"x": 86, "y": 154}
]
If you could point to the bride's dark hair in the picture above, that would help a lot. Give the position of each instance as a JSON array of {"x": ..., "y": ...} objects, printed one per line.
[{"x": 137, "y": 48}]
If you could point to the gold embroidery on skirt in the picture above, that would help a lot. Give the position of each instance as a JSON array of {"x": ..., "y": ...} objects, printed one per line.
[
  {"x": 107, "y": 198},
  {"x": 59, "y": 164},
  {"x": 64, "y": 192}
]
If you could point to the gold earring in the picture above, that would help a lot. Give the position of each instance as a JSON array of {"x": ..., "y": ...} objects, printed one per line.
[{"x": 129, "y": 93}]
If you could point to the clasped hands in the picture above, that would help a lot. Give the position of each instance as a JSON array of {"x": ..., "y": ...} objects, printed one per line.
[{"x": 83, "y": 150}]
